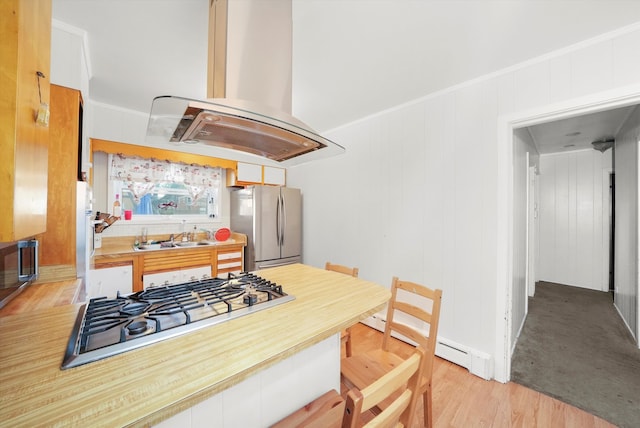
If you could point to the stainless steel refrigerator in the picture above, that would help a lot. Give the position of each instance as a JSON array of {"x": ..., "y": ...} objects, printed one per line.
[
  {"x": 84, "y": 229},
  {"x": 271, "y": 217}
]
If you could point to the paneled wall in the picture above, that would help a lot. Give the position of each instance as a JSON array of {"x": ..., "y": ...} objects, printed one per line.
[
  {"x": 522, "y": 145},
  {"x": 574, "y": 212},
  {"x": 417, "y": 193},
  {"x": 626, "y": 262}
]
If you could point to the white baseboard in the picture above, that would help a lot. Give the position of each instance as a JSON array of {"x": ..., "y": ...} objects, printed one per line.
[{"x": 477, "y": 362}]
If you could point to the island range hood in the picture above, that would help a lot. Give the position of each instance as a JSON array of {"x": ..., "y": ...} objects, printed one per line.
[{"x": 229, "y": 127}]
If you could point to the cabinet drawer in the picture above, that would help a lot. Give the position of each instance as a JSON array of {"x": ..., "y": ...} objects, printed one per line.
[
  {"x": 230, "y": 255},
  {"x": 229, "y": 261},
  {"x": 175, "y": 259}
]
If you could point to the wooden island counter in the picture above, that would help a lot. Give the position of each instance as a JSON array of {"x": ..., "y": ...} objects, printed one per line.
[{"x": 145, "y": 386}]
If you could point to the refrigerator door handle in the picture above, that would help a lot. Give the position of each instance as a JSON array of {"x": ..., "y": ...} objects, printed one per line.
[
  {"x": 283, "y": 219},
  {"x": 278, "y": 220}
]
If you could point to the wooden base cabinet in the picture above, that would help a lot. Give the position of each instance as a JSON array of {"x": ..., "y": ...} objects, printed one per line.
[
  {"x": 175, "y": 276},
  {"x": 229, "y": 261},
  {"x": 107, "y": 282}
]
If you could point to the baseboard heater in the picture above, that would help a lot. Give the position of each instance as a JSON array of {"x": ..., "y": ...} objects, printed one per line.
[{"x": 477, "y": 362}]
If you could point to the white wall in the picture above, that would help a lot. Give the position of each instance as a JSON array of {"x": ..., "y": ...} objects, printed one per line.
[
  {"x": 418, "y": 193},
  {"x": 574, "y": 243},
  {"x": 522, "y": 144},
  {"x": 70, "y": 68},
  {"x": 626, "y": 235}
]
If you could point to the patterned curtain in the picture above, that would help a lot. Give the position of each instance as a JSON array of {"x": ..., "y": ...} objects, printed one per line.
[{"x": 140, "y": 176}]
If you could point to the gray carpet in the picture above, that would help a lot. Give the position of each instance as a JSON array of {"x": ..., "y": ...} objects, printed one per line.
[{"x": 575, "y": 347}]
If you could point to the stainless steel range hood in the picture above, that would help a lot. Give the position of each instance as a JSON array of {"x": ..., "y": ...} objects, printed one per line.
[{"x": 231, "y": 127}]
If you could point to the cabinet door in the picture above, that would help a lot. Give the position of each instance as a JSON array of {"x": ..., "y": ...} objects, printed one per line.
[
  {"x": 58, "y": 243},
  {"x": 194, "y": 274},
  {"x": 107, "y": 282},
  {"x": 249, "y": 173},
  {"x": 25, "y": 49},
  {"x": 274, "y": 175},
  {"x": 161, "y": 278}
]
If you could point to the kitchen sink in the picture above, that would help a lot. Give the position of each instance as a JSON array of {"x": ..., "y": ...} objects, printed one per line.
[
  {"x": 186, "y": 244},
  {"x": 172, "y": 246}
]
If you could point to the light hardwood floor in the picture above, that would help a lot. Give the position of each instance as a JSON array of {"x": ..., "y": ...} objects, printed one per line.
[{"x": 461, "y": 399}]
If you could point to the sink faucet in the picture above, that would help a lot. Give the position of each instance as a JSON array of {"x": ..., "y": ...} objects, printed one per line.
[
  {"x": 209, "y": 234},
  {"x": 184, "y": 237}
]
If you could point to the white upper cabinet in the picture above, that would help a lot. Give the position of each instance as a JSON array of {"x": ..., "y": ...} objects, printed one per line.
[
  {"x": 274, "y": 175},
  {"x": 248, "y": 173}
]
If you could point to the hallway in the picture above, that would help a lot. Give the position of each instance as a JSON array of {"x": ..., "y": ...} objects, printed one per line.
[{"x": 575, "y": 347}]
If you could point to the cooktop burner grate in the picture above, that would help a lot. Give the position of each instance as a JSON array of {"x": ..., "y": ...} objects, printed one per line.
[{"x": 106, "y": 327}]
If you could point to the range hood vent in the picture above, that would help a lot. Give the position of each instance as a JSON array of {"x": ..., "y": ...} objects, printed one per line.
[{"x": 233, "y": 127}]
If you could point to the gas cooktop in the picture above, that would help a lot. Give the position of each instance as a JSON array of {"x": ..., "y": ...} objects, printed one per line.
[{"x": 106, "y": 327}]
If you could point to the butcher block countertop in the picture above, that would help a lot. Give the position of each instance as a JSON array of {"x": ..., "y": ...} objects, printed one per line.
[
  {"x": 147, "y": 385},
  {"x": 115, "y": 247}
]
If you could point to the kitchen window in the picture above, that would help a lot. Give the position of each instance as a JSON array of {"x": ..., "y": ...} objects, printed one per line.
[{"x": 152, "y": 187}]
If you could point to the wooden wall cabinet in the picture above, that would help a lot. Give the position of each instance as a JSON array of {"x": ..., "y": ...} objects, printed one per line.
[
  {"x": 25, "y": 49},
  {"x": 58, "y": 243}
]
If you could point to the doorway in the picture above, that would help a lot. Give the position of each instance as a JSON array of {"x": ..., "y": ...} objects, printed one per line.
[{"x": 506, "y": 323}]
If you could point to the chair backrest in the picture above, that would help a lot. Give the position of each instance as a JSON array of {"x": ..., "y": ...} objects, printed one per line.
[
  {"x": 342, "y": 269},
  {"x": 326, "y": 411},
  {"x": 430, "y": 316},
  {"x": 400, "y": 384}
]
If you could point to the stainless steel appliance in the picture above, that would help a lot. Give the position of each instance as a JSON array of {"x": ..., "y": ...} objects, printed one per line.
[
  {"x": 84, "y": 229},
  {"x": 271, "y": 217},
  {"x": 18, "y": 268},
  {"x": 106, "y": 327},
  {"x": 230, "y": 126}
]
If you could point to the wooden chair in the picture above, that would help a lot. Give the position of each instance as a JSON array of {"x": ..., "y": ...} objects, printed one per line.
[
  {"x": 325, "y": 411},
  {"x": 362, "y": 369},
  {"x": 345, "y": 336},
  {"x": 398, "y": 387}
]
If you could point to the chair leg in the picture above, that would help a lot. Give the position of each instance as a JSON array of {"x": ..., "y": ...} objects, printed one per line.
[
  {"x": 427, "y": 407},
  {"x": 348, "y": 343}
]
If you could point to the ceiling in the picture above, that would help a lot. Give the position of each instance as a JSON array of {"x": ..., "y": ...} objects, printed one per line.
[
  {"x": 577, "y": 133},
  {"x": 351, "y": 58}
]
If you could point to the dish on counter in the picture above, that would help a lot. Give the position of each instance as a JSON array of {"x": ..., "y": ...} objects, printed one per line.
[{"x": 222, "y": 234}]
